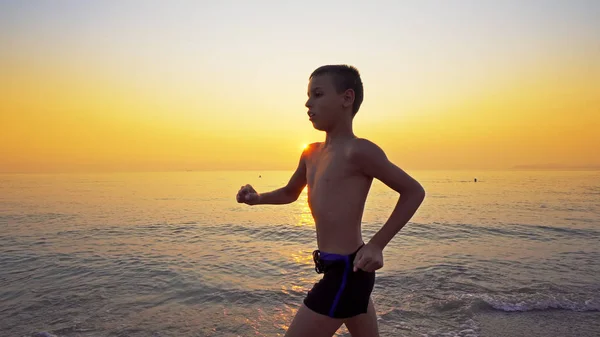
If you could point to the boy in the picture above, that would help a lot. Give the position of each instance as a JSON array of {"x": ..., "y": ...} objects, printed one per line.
[{"x": 339, "y": 173}]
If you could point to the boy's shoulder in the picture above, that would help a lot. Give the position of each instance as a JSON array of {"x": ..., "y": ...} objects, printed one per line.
[
  {"x": 362, "y": 143},
  {"x": 357, "y": 150},
  {"x": 362, "y": 149},
  {"x": 310, "y": 149},
  {"x": 314, "y": 145}
]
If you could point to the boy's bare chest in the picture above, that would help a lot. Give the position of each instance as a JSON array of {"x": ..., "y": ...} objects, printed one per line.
[{"x": 327, "y": 168}]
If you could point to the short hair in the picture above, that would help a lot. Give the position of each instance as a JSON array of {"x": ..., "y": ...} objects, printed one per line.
[{"x": 344, "y": 77}]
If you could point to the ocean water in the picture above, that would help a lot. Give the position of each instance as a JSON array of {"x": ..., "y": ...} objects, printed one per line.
[{"x": 173, "y": 254}]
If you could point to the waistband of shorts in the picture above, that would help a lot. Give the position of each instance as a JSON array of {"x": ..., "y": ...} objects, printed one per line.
[{"x": 337, "y": 257}]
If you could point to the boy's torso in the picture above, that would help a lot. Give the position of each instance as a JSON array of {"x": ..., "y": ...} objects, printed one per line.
[{"x": 337, "y": 192}]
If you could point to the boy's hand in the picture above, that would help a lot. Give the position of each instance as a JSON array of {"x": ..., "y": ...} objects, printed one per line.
[
  {"x": 248, "y": 195},
  {"x": 369, "y": 258}
]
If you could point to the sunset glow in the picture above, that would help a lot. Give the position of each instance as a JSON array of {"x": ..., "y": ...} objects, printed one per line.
[{"x": 149, "y": 87}]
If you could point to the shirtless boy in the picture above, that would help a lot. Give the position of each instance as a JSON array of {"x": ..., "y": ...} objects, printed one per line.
[{"x": 339, "y": 173}]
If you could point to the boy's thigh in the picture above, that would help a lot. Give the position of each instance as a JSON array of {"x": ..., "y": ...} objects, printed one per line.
[
  {"x": 364, "y": 325},
  {"x": 308, "y": 323}
]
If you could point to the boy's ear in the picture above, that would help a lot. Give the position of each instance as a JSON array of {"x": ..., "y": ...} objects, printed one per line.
[{"x": 348, "y": 98}]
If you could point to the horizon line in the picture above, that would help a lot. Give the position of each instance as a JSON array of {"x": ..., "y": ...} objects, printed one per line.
[{"x": 514, "y": 168}]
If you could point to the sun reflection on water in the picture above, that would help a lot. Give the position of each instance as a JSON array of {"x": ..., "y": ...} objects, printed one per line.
[
  {"x": 302, "y": 257},
  {"x": 304, "y": 214}
]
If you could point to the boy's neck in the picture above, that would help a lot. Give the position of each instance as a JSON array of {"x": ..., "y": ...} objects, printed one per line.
[{"x": 339, "y": 133}]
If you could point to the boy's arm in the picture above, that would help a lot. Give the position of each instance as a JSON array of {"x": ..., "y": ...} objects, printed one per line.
[
  {"x": 373, "y": 162},
  {"x": 290, "y": 192}
]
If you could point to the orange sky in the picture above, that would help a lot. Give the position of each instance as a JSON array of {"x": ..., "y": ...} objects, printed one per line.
[{"x": 92, "y": 87}]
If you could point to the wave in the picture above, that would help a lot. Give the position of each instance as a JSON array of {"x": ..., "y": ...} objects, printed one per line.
[
  {"x": 541, "y": 304},
  {"x": 35, "y": 218},
  {"x": 468, "y": 231},
  {"x": 519, "y": 303},
  {"x": 305, "y": 235},
  {"x": 275, "y": 233}
]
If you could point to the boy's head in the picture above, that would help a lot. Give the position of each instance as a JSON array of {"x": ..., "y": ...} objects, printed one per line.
[{"x": 334, "y": 92}]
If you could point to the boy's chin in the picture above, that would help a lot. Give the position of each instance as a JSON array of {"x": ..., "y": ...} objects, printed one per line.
[{"x": 319, "y": 127}]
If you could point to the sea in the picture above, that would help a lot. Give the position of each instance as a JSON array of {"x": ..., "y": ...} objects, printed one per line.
[{"x": 157, "y": 254}]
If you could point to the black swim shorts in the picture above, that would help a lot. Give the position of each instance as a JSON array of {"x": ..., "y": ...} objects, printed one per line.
[{"x": 342, "y": 292}]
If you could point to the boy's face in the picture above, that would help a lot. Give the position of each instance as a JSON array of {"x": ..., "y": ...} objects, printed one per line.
[{"x": 325, "y": 105}]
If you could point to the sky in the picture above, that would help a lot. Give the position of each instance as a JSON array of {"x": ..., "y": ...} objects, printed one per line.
[{"x": 221, "y": 85}]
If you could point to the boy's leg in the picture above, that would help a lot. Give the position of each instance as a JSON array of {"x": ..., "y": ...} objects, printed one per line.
[
  {"x": 308, "y": 323},
  {"x": 364, "y": 325}
]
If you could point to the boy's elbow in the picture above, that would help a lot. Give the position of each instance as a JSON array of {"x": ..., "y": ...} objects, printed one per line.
[
  {"x": 291, "y": 195},
  {"x": 296, "y": 194},
  {"x": 416, "y": 192},
  {"x": 420, "y": 192}
]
